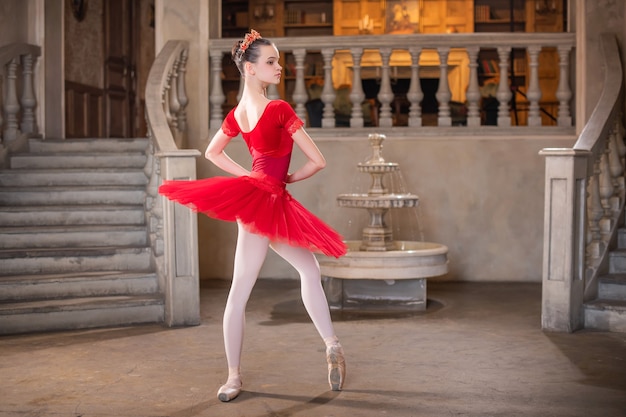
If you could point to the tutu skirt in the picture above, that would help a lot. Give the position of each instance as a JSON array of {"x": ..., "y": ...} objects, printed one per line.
[{"x": 262, "y": 204}]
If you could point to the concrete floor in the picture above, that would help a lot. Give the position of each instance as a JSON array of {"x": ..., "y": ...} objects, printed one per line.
[{"x": 478, "y": 350}]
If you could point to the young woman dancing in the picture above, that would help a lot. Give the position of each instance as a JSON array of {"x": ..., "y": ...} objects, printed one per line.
[{"x": 266, "y": 214}]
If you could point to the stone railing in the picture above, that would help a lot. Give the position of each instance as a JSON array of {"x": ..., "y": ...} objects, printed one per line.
[
  {"x": 172, "y": 228},
  {"x": 17, "y": 114},
  {"x": 584, "y": 203},
  {"x": 454, "y": 61}
]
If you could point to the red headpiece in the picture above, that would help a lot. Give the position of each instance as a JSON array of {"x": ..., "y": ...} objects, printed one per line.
[{"x": 248, "y": 39}]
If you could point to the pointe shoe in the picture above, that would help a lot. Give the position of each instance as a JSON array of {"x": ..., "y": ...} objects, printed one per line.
[
  {"x": 229, "y": 391},
  {"x": 336, "y": 367}
]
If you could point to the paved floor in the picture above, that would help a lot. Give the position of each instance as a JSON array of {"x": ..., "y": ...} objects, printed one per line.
[{"x": 477, "y": 351}]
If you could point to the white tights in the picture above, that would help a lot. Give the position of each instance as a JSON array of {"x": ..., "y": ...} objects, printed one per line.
[{"x": 249, "y": 257}]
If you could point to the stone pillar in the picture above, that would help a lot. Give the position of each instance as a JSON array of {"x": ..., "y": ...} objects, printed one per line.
[{"x": 563, "y": 252}]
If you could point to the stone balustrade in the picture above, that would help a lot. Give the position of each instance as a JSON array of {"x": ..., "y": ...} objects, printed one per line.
[
  {"x": 172, "y": 228},
  {"x": 584, "y": 202},
  {"x": 453, "y": 59},
  {"x": 17, "y": 106}
]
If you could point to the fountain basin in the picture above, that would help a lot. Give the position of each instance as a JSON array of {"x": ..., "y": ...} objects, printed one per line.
[
  {"x": 377, "y": 201},
  {"x": 391, "y": 280}
]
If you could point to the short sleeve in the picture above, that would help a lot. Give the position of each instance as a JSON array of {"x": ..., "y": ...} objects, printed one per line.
[
  {"x": 288, "y": 118},
  {"x": 229, "y": 125}
]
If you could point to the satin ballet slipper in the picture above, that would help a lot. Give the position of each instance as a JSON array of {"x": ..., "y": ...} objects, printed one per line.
[
  {"x": 229, "y": 391},
  {"x": 336, "y": 367}
]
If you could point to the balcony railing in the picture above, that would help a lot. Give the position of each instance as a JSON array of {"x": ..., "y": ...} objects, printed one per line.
[{"x": 347, "y": 65}]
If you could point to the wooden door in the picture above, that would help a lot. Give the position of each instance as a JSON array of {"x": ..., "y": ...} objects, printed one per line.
[{"x": 119, "y": 68}]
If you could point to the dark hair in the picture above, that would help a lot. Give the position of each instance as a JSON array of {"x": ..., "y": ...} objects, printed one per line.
[{"x": 246, "y": 50}]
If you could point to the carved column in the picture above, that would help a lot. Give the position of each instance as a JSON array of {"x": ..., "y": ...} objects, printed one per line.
[
  {"x": 356, "y": 95},
  {"x": 385, "y": 95},
  {"x": 443, "y": 92},
  {"x": 11, "y": 105},
  {"x": 182, "y": 93},
  {"x": 415, "y": 94},
  {"x": 328, "y": 93},
  {"x": 300, "y": 95},
  {"x": 534, "y": 92},
  {"x": 473, "y": 91},
  {"x": 216, "y": 97},
  {"x": 29, "y": 123},
  {"x": 504, "y": 92},
  {"x": 563, "y": 93},
  {"x": 172, "y": 103}
]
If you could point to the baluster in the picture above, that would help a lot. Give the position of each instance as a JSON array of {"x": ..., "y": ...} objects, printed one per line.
[
  {"x": 606, "y": 192},
  {"x": 504, "y": 92},
  {"x": 385, "y": 95},
  {"x": 328, "y": 93},
  {"x": 300, "y": 95},
  {"x": 619, "y": 138},
  {"x": 356, "y": 95},
  {"x": 617, "y": 169},
  {"x": 473, "y": 91},
  {"x": 415, "y": 94},
  {"x": 534, "y": 92},
  {"x": 165, "y": 98},
  {"x": 182, "y": 94},
  {"x": 216, "y": 98},
  {"x": 173, "y": 103},
  {"x": 29, "y": 124},
  {"x": 11, "y": 106},
  {"x": 563, "y": 92},
  {"x": 443, "y": 91},
  {"x": 594, "y": 214}
]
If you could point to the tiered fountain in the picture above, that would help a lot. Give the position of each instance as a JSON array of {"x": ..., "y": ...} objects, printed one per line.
[{"x": 379, "y": 273}]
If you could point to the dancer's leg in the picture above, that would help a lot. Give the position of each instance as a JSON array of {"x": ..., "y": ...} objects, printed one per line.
[
  {"x": 249, "y": 256},
  {"x": 316, "y": 305},
  {"x": 310, "y": 285}
]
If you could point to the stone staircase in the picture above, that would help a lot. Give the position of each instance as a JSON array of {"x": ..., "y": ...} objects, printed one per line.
[
  {"x": 608, "y": 311},
  {"x": 74, "y": 249}
]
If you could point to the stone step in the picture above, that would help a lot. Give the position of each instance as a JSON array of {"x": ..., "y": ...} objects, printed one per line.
[
  {"x": 621, "y": 238},
  {"x": 617, "y": 261},
  {"x": 88, "y": 145},
  {"x": 56, "y": 196},
  {"x": 65, "y": 260},
  {"x": 71, "y": 177},
  {"x": 72, "y": 215},
  {"x": 605, "y": 315},
  {"x": 78, "y": 160},
  {"x": 612, "y": 287},
  {"x": 80, "y": 313},
  {"x": 71, "y": 236},
  {"x": 78, "y": 284}
]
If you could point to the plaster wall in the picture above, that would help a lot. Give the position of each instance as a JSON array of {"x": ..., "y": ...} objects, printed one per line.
[
  {"x": 483, "y": 198},
  {"x": 601, "y": 16},
  {"x": 84, "y": 46},
  {"x": 189, "y": 20},
  {"x": 13, "y": 21}
]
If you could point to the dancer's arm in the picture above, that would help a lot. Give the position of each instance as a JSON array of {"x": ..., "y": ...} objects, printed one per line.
[
  {"x": 315, "y": 160},
  {"x": 215, "y": 153}
]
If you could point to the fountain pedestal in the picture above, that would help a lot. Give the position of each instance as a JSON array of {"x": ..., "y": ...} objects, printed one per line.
[{"x": 378, "y": 273}]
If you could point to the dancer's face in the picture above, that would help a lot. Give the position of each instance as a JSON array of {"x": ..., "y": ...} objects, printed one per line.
[{"x": 267, "y": 69}]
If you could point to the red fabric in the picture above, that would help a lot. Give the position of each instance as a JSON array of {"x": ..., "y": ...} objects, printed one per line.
[{"x": 260, "y": 201}]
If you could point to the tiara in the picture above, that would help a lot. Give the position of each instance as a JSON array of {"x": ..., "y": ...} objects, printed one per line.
[{"x": 248, "y": 39}]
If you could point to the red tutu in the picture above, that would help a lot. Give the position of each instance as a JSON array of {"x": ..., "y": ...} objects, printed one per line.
[{"x": 262, "y": 204}]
